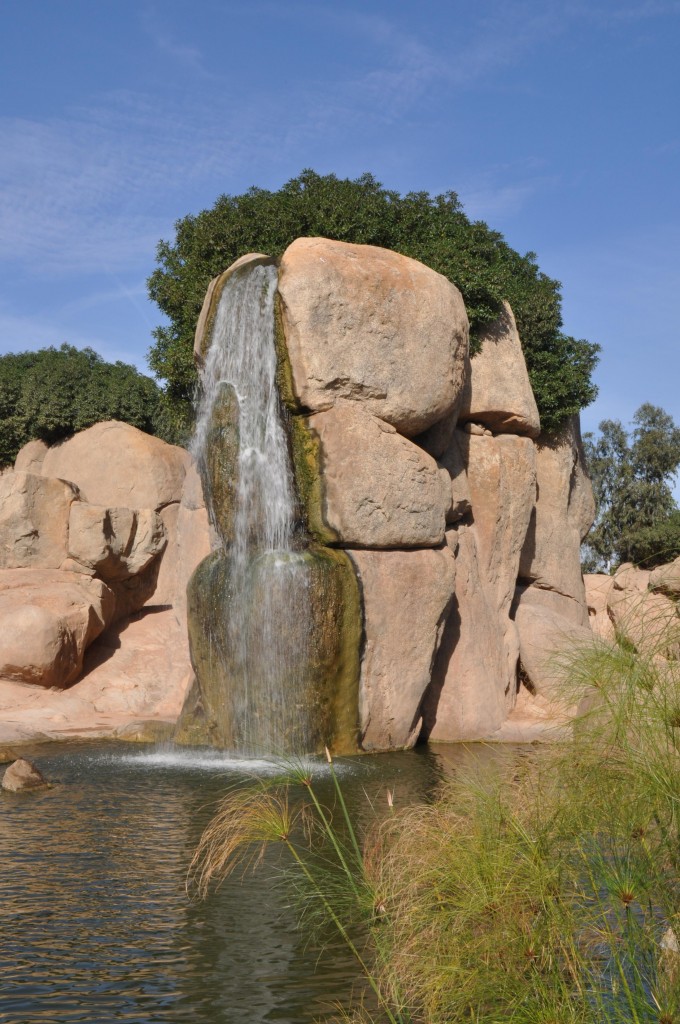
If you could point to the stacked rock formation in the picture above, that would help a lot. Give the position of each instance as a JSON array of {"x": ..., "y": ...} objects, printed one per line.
[
  {"x": 638, "y": 606},
  {"x": 90, "y": 532},
  {"x": 462, "y": 522}
]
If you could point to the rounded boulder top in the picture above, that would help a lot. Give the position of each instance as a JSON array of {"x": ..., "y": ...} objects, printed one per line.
[
  {"x": 367, "y": 324},
  {"x": 116, "y": 465}
]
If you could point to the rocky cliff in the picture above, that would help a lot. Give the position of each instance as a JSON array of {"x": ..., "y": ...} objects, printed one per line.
[{"x": 419, "y": 471}]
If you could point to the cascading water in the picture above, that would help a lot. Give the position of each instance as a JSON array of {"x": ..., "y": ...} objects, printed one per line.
[{"x": 265, "y": 591}]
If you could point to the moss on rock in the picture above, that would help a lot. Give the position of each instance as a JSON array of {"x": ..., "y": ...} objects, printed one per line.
[
  {"x": 322, "y": 677},
  {"x": 219, "y": 466}
]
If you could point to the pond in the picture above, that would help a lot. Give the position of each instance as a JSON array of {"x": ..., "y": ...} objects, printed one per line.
[{"x": 95, "y": 922}]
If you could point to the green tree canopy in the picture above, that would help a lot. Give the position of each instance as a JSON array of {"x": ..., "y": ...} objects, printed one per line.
[
  {"x": 633, "y": 472},
  {"x": 54, "y": 392},
  {"x": 432, "y": 229}
]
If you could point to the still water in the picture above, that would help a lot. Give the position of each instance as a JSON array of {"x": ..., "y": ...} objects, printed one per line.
[{"x": 95, "y": 922}]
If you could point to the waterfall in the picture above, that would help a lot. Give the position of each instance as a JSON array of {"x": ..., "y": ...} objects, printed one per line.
[{"x": 265, "y": 598}]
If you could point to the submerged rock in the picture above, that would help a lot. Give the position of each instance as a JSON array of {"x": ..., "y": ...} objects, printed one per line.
[{"x": 23, "y": 775}]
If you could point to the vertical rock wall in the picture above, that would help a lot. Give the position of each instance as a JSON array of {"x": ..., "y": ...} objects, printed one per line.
[{"x": 427, "y": 473}]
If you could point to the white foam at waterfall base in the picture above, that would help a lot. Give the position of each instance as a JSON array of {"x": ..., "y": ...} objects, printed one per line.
[
  {"x": 215, "y": 761},
  {"x": 268, "y": 616}
]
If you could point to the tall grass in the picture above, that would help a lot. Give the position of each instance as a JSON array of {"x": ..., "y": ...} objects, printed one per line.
[{"x": 543, "y": 891}]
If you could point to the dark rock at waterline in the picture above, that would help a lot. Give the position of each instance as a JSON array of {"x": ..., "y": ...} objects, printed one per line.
[
  {"x": 23, "y": 775},
  {"x": 231, "y": 705}
]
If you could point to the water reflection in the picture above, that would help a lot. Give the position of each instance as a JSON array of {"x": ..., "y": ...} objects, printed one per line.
[{"x": 95, "y": 921}]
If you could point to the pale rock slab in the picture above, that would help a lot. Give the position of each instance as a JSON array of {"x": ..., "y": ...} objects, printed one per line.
[
  {"x": 545, "y": 638},
  {"x": 563, "y": 514},
  {"x": 497, "y": 391},
  {"x": 647, "y": 619},
  {"x": 666, "y": 578},
  {"x": 34, "y": 515},
  {"x": 406, "y": 595},
  {"x": 372, "y": 326},
  {"x": 501, "y": 473},
  {"x": 453, "y": 463},
  {"x": 115, "y": 465},
  {"x": 552, "y": 601},
  {"x": 379, "y": 489},
  {"x": 30, "y": 458},
  {"x": 468, "y": 698},
  {"x": 49, "y": 617},
  {"x": 598, "y": 587},
  {"x": 136, "y": 678}
]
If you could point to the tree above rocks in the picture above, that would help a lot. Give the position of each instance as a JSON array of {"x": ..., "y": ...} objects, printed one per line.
[
  {"x": 55, "y": 392},
  {"x": 431, "y": 229},
  {"x": 633, "y": 472}
]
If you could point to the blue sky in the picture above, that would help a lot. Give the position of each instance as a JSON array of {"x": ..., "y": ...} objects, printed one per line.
[{"x": 557, "y": 123}]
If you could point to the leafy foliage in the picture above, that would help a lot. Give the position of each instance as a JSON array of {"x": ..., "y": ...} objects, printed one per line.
[
  {"x": 432, "y": 229},
  {"x": 54, "y": 392},
  {"x": 638, "y": 519}
]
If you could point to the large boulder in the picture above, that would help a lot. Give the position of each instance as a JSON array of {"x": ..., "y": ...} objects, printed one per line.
[
  {"x": 666, "y": 578},
  {"x": 497, "y": 391},
  {"x": 189, "y": 541},
  {"x": 469, "y": 696},
  {"x": 564, "y": 513},
  {"x": 377, "y": 489},
  {"x": 34, "y": 516},
  {"x": 501, "y": 473},
  {"x": 598, "y": 587},
  {"x": 406, "y": 595},
  {"x": 48, "y": 619},
  {"x": 453, "y": 461},
  {"x": 547, "y": 639},
  {"x": 646, "y": 619},
  {"x": 30, "y": 458},
  {"x": 372, "y": 326},
  {"x": 115, "y": 465}
]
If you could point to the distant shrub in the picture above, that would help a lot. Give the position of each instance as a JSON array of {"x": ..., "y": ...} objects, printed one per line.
[{"x": 54, "y": 392}]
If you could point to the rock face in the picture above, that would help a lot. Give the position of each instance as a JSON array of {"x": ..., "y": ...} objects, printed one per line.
[
  {"x": 641, "y": 615},
  {"x": 497, "y": 392},
  {"x": 374, "y": 327},
  {"x": 545, "y": 637},
  {"x": 598, "y": 587},
  {"x": 72, "y": 571},
  {"x": 406, "y": 595},
  {"x": 563, "y": 515},
  {"x": 435, "y": 531},
  {"x": 49, "y": 617},
  {"x": 379, "y": 490},
  {"x": 34, "y": 515},
  {"x": 465, "y": 542},
  {"x": 468, "y": 697},
  {"x": 23, "y": 775},
  {"x": 30, "y": 458}
]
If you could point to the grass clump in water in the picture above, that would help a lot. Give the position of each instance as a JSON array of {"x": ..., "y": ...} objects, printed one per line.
[{"x": 544, "y": 890}]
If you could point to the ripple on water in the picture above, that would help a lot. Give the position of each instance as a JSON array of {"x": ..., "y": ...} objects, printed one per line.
[{"x": 95, "y": 922}]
